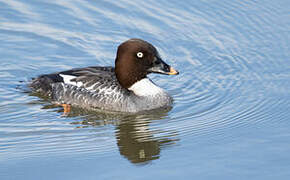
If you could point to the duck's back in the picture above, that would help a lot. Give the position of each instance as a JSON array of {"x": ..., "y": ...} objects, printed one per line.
[{"x": 91, "y": 87}]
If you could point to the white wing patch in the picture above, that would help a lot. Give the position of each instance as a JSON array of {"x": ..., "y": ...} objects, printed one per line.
[{"x": 67, "y": 80}]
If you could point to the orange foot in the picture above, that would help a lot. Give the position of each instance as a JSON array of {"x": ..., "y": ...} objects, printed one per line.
[{"x": 66, "y": 109}]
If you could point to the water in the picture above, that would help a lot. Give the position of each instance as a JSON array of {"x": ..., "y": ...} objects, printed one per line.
[{"x": 230, "y": 118}]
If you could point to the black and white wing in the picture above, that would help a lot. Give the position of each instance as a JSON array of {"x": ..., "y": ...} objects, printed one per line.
[{"x": 87, "y": 87}]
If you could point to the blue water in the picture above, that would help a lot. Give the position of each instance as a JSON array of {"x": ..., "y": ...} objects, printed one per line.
[{"x": 230, "y": 117}]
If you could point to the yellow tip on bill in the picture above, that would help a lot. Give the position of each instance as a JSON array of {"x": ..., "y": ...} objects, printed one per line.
[{"x": 173, "y": 71}]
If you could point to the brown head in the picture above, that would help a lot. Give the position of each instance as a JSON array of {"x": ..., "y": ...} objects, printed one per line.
[{"x": 135, "y": 59}]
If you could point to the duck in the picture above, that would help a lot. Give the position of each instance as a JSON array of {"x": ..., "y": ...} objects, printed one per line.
[{"x": 123, "y": 88}]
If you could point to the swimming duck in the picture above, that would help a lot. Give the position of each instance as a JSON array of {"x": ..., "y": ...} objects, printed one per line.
[{"x": 125, "y": 88}]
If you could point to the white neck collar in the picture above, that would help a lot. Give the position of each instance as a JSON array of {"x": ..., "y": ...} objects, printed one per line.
[{"x": 145, "y": 87}]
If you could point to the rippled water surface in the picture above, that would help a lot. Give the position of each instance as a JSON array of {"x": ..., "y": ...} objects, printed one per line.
[{"x": 230, "y": 118}]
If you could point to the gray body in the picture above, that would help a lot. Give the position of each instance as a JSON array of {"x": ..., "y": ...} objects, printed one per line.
[{"x": 99, "y": 89}]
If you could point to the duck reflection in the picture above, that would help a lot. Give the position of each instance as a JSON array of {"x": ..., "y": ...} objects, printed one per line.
[
  {"x": 137, "y": 142},
  {"x": 139, "y": 138}
]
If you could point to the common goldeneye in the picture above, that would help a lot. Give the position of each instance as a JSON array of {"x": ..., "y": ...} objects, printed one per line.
[{"x": 125, "y": 88}]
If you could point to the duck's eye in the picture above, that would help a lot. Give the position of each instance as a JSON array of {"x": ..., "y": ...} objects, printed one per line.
[{"x": 139, "y": 54}]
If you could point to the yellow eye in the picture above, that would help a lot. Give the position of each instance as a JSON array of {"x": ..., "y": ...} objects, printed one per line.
[{"x": 139, "y": 54}]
